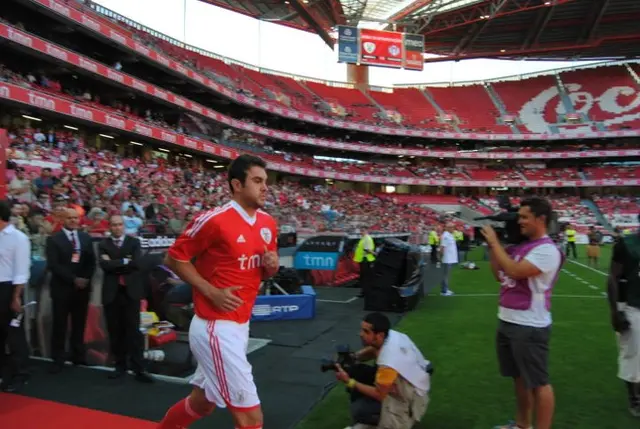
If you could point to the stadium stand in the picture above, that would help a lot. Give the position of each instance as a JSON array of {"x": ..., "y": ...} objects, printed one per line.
[{"x": 535, "y": 103}]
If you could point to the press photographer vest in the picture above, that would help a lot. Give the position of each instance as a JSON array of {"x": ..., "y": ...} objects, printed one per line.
[
  {"x": 518, "y": 294},
  {"x": 631, "y": 269}
]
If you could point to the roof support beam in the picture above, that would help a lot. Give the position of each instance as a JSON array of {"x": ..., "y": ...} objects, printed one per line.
[
  {"x": 536, "y": 50},
  {"x": 307, "y": 15},
  {"x": 543, "y": 18},
  {"x": 431, "y": 24},
  {"x": 337, "y": 12},
  {"x": 468, "y": 40},
  {"x": 593, "y": 20}
]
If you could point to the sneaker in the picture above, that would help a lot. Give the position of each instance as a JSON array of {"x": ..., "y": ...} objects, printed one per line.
[
  {"x": 447, "y": 293},
  {"x": 635, "y": 411}
]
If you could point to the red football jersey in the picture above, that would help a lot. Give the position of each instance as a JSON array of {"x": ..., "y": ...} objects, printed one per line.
[{"x": 228, "y": 246}]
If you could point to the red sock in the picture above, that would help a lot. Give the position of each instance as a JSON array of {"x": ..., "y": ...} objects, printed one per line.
[{"x": 179, "y": 416}]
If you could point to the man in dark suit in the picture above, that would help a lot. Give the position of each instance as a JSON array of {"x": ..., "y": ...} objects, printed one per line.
[
  {"x": 122, "y": 290},
  {"x": 72, "y": 262}
]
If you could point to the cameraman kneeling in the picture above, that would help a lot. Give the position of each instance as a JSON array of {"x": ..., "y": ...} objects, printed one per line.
[{"x": 402, "y": 379}]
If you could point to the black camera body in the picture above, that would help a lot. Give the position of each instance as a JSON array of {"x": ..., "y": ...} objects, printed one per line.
[
  {"x": 344, "y": 357},
  {"x": 509, "y": 233}
]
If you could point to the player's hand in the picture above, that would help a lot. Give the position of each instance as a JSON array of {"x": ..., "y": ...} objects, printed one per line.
[
  {"x": 490, "y": 235},
  {"x": 225, "y": 299},
  {"x": 270, "y": 260}
]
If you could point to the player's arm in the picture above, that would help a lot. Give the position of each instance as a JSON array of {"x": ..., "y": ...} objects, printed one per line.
[
  {"x": 615, "y": 271},
  {"x": 201, "y": 233},
  {"x": 271, "y": 260},
  {"x": 495, "y": 268}
]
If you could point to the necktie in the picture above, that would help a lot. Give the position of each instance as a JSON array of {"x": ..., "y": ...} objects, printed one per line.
[
  {"x": 121, "y": 280},
  {"x": 74, "y": 243}
]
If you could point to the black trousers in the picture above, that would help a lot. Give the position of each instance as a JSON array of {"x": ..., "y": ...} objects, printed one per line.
[
  {"x": 434, "y": 254},
  {"x": 11, "y": 337},
  {"x": 74, "y": 304},
  {"x": 366, "y": 275},
  {"x": 123, "y": 324},
  {"x": 571, "y": 247}
]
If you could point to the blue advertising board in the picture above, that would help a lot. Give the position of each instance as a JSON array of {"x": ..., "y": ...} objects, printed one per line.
[
  {"x": 348, "y": 46},
  {"x": 320, "y": 252},
  {"x": 316, "y": 260},
  {"x": 285, "y": 307}
]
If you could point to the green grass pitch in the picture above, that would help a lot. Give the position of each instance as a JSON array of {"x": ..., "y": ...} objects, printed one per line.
[{"x": 457, "y": 334}]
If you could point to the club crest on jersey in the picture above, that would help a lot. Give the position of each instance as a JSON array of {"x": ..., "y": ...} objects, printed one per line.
[{"x": 265, "y": 233}]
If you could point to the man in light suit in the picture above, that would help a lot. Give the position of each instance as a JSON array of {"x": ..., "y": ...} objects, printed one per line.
[{"x": 122, "y": 291}]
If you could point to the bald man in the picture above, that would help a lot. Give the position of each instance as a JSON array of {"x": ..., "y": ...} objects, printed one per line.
[{"x": 72, "y": 262}]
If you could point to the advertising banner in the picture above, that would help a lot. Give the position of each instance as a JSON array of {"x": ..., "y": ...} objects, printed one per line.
[
  {"x": 321, "y": 252},
  {"x": 348, "y": 51},
  {"x": 381, "y": 48},
  {"x": 413, "y": 50},
  {"x": 285, "y": 307}
]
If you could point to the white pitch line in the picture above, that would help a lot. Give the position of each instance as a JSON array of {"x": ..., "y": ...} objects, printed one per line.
[
  {"x": 350, "y": 300},
  {"x": 588, "y": 267},
  {"x": 495, "y": 295}
]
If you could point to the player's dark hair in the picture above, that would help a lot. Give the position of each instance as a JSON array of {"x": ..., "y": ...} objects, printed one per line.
[
  {"x": 5, "y": 211},
  {"x": 241, "y": 166},
  {"x": 539, "y": 207},
  {"x": 379, "y": 323}
]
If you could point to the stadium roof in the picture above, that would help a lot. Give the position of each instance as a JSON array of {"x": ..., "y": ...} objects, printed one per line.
[{"x": 463, "y": 29}]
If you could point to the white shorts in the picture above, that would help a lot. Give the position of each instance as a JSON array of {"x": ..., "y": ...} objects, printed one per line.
[
  {"x": 223, "y": 372},
  {"x": 629, "y": 358}
]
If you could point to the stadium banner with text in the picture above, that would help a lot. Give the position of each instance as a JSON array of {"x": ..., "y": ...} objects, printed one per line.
[
  {"x": 321, "y": 252},
  {"x": 285, "y": 307},
  {"x": 42, "y": 101},
  {"x": 413, "y": 51},
  {"x": 348, "y": 51},
  {"x": 124, "y": 39},
  {"x": 381, "y": 48}
]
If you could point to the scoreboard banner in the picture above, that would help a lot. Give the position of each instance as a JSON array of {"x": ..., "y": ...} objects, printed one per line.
[
  {"x": 413, "y": 49},
  {"x": 348, "y": 51},
  {"x": 381, "y": 48}
]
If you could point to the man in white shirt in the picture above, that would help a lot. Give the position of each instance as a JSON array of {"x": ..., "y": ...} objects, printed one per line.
[
  {"x": 15, "y": 263},
  {"x": 527, "y": 273},
  {"x": 402, "y": 380},
  {"x": 449, "y": 257}
]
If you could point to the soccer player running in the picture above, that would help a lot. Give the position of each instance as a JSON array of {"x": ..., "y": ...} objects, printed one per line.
[
  {"x": 234, "y": 247},
  {"x": 527, "y": 273}
]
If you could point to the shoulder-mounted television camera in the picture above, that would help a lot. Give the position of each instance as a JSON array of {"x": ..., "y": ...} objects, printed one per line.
[{"x": 509, "y": 231}]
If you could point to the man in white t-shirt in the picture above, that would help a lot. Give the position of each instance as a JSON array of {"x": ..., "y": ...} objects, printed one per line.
[
  {"x": 527, "y": 273},
  {"x": 449, "y": 257}
]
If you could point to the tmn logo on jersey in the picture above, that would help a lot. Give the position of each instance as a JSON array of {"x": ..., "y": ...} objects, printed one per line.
[{"x": 250, "y": 262}]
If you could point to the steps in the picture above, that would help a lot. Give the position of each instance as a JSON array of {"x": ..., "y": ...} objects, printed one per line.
[
  {"x": 598, "y": 214},
  {"x": 435, "y": 105},
  {"x": 493, "y": 95}
]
